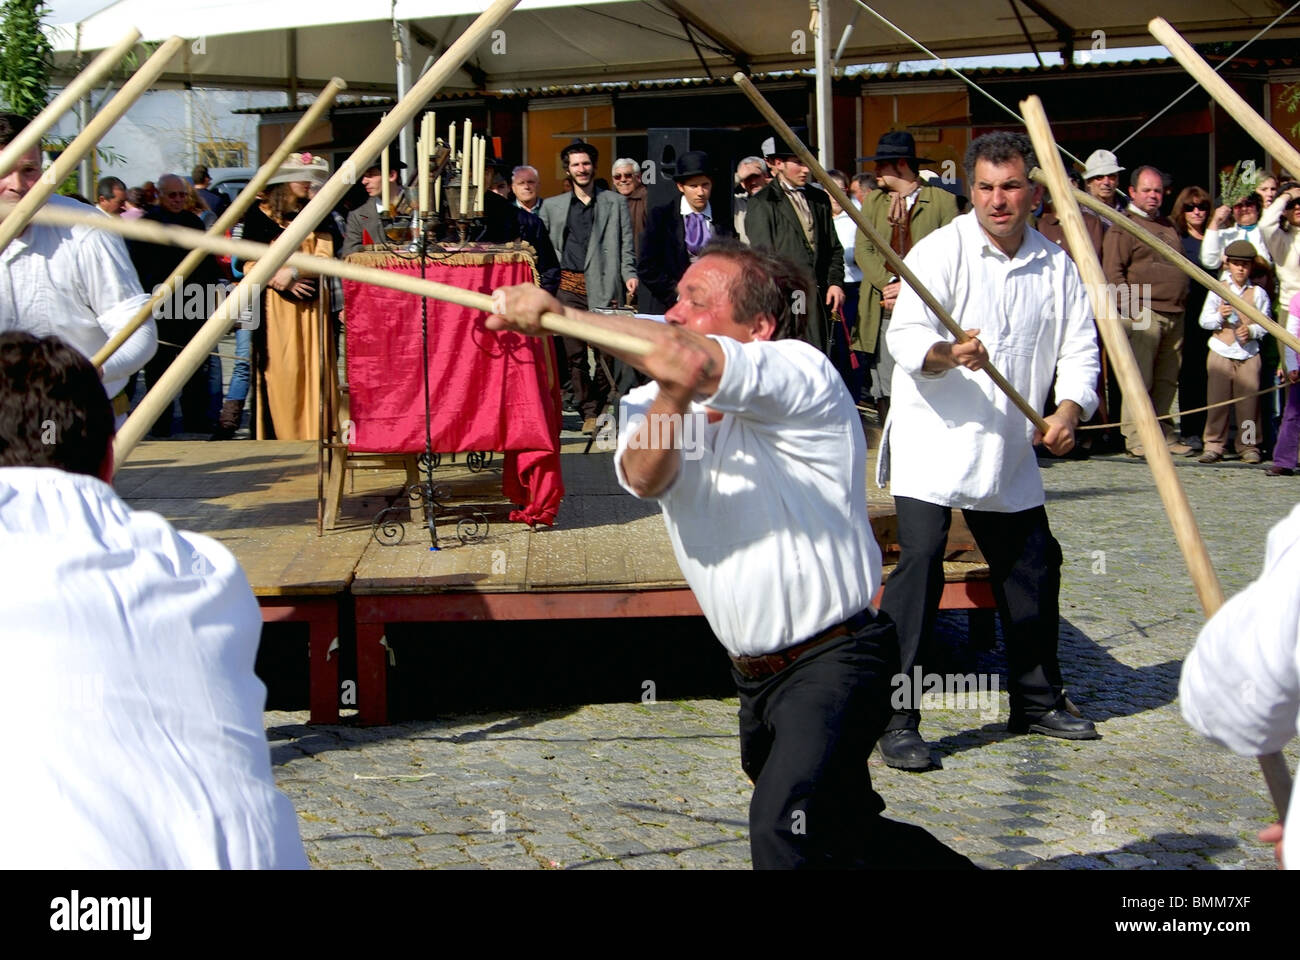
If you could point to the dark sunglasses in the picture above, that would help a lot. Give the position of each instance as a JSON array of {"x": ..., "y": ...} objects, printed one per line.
[
  {"x": 1202, "y": 206},
  {"x": 625, "y": 176}
]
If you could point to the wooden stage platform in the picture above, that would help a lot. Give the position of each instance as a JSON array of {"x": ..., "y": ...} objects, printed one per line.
[{"x": 608, "y": 555}]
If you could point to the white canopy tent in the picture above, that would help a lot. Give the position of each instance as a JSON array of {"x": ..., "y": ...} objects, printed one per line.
[{"x": 253, "y": 44}]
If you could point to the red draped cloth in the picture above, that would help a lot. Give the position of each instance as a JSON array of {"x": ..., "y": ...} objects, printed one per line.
[{"x": 487, "y": 390}]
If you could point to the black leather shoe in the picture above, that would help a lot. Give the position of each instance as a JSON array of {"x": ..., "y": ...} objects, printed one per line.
[
  {"x": 1055, "y": 723},
  {"x": 905, "y": 750}
]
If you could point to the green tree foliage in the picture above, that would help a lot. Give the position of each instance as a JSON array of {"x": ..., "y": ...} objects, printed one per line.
[{"x": 25, "y": 57}]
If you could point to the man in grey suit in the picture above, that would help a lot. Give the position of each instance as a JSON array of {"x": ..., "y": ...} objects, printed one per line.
[
  {"x": 363, "y": 222},
  {"x": 592, "y": 232}
]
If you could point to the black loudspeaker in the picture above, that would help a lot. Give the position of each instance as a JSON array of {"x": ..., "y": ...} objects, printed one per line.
[{"x": 725, "y": 148}]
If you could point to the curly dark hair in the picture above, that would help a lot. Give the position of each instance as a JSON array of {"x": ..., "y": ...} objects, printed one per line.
[
  {"x": 998, "y": 147},
  {"x": 579, "y": 147},
  {"x": 53, "y": 409}
]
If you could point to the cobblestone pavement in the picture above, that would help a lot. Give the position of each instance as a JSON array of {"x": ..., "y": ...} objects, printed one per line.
[{"x": 658, "y": 785}]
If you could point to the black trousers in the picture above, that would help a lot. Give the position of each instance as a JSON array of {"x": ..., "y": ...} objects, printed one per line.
[
  {"x": 589, "y": 391},
  {"x": 196, "y": 414},
  {"x": 805, "y": 734},
  {"x": 1025, "y": 568}
]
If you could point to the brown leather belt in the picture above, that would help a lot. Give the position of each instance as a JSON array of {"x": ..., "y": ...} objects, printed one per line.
[
  {"x": 770, "y": 664},
  {"x": 573, "y": 282}
]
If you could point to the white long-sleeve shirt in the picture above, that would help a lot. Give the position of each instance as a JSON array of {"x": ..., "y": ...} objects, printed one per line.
[
  {"x": 1211, "y": 320},
  {"x": 847, "y": 231},
  {"x": 1241, "y": 683},
  {"x": 76, "y": 283},
  {"x": 768, "y": 511},
  {"x": 130, "y": 646},
  {"x": 1217, "y": 241},
  {"x": 953, "y": 438},
  {"x": 1284, "y": 245}
]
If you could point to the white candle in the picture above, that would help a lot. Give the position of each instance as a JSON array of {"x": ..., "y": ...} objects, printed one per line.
[
  {"x": 437, "y": 192},
  {"x": 466, "y": 163},
  {"x": 451, "y": 142},
  {"x": 383, "y": 180},
  {"x": 482, "y": 169},
  {"x": 423, "y": 165}
]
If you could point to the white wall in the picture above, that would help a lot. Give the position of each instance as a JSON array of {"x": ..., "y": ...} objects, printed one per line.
[{"x": 152, "y": 139}]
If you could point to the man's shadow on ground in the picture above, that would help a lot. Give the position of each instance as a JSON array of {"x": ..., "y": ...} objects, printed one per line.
[{"x": 1102, "y": 686}]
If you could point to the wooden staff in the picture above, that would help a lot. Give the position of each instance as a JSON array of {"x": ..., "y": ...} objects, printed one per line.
[
  {"x": 196, "y": 352},
  {"x": 147, "y": 231},
  {"x": 228, "y": 218},
  {"x": 16, "y": 221},
  {"x": 78, "y": 87},
  {"x": 1218, "y": 88},
  {"x": 893, "y": 259},
  {"x": 1186, "y": 532},
  {"x": 1119, "y": 219}
]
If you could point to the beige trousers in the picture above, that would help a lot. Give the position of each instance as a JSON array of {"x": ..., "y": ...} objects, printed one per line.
[{"x": 1157, "y": 342}]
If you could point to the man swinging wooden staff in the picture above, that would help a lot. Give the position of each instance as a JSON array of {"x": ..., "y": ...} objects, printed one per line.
[
  {"x": 1252, "y": 708},
  {"x": 1171, "y": 492},
  {"x": 955, "y": 442},
  {"x": 752, "y": 447}
]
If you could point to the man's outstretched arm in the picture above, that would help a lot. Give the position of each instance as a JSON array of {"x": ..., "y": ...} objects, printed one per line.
[{"x": 686, "y": 365}]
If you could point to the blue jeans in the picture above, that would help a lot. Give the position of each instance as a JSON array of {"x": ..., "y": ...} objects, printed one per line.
[{"x": 242, "y": 376}]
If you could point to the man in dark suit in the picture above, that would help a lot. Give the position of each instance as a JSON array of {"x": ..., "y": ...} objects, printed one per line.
[
  {"x": 363, "y": 222},
  {"x": 504, "y": 221},
  {"x": 179, "y": 316},
  {"x": 592, "y": 234},
  {"x": 676, "y": 232},
  {"x": 795, "y": 222}
]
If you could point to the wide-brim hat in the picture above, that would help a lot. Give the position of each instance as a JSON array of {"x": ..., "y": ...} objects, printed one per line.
[
  {"x": 299, "y": 167},
  {"x": 693, "y": 163},
  {"x": 1101, "y": 163},
  {"x": 775, "y": 146},
  {"x": 895, "y": 145}
]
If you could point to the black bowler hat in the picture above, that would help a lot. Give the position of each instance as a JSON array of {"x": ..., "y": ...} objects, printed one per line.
[
  {"x": 693, "y": 163},
  {"x": 896, "y": 145},
  {"x": 775, "y": 146}
]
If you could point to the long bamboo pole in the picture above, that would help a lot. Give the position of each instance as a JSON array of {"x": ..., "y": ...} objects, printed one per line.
[
  {"x": 16, "y": 221},
  {"x": 228, "y": 218},
  {"x": 196, "y": 352},
  {"x": 78, "y": 87},
  {"x": 1119, "y": 219},
  {"x": 210, "y": 243},
  {"x": 1181, "y": 518},
  {"x": 882, "y": 244},
  {"x": 1240, "y": 111}
]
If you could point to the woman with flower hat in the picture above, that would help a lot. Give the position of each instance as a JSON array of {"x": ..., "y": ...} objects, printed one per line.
[{"x": 292, "y": 338}]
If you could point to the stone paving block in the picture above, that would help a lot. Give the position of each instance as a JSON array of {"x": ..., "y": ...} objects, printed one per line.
[
  {"x": 1129, "y": 861},
  {"x": 1013, "y": 858}
]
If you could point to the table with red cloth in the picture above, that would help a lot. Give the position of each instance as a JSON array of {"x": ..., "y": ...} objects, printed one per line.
[{"x": 488, "y": 391}]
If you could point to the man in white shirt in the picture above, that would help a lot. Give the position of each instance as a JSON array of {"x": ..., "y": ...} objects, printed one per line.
[
  {"x": 955, "y": 440},
  {"x": 1241, "y": 683},
  {"x": 77, "y": 283},
  {"x": 134, "y": 645},
  {"x": 753, "y": 449}
]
